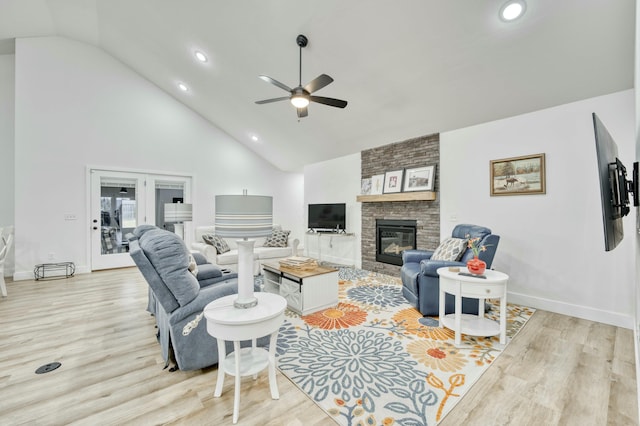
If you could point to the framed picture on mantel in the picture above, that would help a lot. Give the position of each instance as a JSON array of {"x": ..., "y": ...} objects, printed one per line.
[
  {"x": 393, "y": 181},
  {"x": 365, "y": 188},
  {"x": 377, "y": 183},
  {"x": 419, "y": 179}
]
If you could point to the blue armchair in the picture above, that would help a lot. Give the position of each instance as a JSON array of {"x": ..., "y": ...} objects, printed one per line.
[{"x": 421, "y": 283}]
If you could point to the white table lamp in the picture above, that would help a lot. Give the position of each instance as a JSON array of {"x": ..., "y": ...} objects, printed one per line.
[{"x": 244, "y": 217}]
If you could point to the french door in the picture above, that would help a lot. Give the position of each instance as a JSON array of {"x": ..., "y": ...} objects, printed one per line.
[{"x": 121, "y": 201}]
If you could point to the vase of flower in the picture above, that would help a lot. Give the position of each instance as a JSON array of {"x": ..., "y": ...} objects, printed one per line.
[{"x": 476, "y": 266}]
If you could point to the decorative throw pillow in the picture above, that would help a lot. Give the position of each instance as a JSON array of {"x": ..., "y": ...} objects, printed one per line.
[
  {"x": 220, "y": 244},
  {"x": 193, "y": 266},
  {"x": 450, "y": 249},
  {"x": 277, "y": 239}
]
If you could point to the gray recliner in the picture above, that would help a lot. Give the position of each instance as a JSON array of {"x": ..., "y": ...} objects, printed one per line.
[{"x": 178, "y": 296}]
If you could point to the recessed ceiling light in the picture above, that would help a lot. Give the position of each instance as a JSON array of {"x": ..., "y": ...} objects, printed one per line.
[
  {"x": 254, "y": 138},
  {"x": 200, "y": 56},
  {"x": 183, "y": 87},
  {"x": 512, "y": 10}
]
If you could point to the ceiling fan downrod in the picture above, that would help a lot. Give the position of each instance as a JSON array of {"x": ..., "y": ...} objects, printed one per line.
[{"x": 302, "y": 41}]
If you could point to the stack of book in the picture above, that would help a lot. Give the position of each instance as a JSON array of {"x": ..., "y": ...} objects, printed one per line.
[{"x": 299, "y": 263}]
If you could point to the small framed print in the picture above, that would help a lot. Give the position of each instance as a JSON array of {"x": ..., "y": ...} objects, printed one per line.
[
  {"x": 419, "y": 179},
  {"x": 393, "y": 181},
  {"x": 365, "y": 188},
  {"x": 377, "y": 183}
]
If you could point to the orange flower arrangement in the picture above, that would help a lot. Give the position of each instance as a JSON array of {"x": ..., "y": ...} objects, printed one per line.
[{"x": 474, "y": 245}]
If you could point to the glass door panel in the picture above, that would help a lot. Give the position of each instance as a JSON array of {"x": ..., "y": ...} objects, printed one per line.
[
  {"x": 167, "y": 193},
  {"x": 117, "y": 215}
]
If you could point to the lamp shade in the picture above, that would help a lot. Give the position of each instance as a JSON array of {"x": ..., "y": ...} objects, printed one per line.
[
  {"x": 177, "y": 212},
  {"x": 244, "y": 216}
]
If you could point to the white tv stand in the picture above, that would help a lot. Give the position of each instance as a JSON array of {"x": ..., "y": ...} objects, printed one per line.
[{"x": 333, "y": 247}]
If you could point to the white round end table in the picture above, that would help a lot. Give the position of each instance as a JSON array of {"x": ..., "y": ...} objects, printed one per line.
[
  {"x": 227, "y": 323},
  {"x": 493, "y": 286}
]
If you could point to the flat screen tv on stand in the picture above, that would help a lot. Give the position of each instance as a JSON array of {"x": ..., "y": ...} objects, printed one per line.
[
  {"x": 614, "y": 186},
  {"x": 327, "y": 217}
]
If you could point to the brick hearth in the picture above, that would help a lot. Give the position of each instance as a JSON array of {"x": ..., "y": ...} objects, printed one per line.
[{"x": 422, "y": 151}]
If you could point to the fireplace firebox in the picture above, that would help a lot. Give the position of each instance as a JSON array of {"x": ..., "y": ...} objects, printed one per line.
[{"x": 392, "y": 238}]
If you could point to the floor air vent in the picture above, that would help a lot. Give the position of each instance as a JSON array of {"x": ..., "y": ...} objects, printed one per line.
[{"x": 48, "y": 367}]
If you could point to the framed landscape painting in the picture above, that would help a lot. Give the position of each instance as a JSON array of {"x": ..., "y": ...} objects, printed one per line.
[
  {"x": 518, "y": 175},
  {"x": 419, "y": 179}
]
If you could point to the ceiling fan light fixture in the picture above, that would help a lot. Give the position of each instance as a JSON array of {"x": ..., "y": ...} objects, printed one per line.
[{"x": 299, "y": 101}]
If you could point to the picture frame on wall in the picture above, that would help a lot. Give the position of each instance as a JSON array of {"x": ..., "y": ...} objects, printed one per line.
[
  {"x": 419, "y": 179},
  {"x": 393, "y": 181},
  {"x": 377, "y": 184},
  {"x": 518, "y": 175}
]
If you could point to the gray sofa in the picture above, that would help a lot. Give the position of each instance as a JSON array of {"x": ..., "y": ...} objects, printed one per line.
[{"x": 178, "y": 295}]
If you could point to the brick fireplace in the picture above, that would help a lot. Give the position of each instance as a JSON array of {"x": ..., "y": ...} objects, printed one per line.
[{"x": 422, "y": 151}]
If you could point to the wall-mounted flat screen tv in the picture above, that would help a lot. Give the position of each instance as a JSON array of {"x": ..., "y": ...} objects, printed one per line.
[
  {"x": 327, "y": 217},
  {"x": 614, "y": 186}
]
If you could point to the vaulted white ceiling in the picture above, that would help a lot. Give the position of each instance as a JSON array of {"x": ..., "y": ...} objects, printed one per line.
[{"x": 407, "y": 68}]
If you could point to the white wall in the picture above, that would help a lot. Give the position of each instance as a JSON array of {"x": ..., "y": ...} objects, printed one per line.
[
  {"x": 335, "y": 181},
  {"x": 76, "y": 106},
  {"x": 552, "y": 245},
  {"x": 7, "y": 80}
]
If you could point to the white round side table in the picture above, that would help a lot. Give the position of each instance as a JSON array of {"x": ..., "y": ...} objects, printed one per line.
[
  {"x": 494, "y": 285},
  {"x": 227, "y": 323}
]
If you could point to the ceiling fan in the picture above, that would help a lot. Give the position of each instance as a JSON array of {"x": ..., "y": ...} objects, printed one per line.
[{"x": 300, "y": 96}]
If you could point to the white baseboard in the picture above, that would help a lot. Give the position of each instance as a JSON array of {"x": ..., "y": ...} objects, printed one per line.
[
  {"x": 578, "y": 311},
  {"x": 28, "y": 275}
]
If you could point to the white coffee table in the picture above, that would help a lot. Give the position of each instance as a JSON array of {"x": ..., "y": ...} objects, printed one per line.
[
  {"x": 225, "y": 322},
  {"x": 493, "y": 286}
]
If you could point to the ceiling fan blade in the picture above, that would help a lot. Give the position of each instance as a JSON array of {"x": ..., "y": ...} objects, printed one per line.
[
  {"x": 275, "y": 82},
  {"x": 302, "y": 112},
  {"x": 268, "y": 101},
  {"x": 339, "y": 103},
  {"x": 318, "y": 83}
]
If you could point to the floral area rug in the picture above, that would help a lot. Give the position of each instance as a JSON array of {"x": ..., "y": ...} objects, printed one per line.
[{"x": 374, "y": 360}]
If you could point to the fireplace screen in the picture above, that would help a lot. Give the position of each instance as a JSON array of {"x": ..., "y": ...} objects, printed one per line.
[{"x": 392, "y": 238}]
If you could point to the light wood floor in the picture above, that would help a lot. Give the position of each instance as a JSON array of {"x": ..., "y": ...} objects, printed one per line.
[{"x": 558, "y": 371}]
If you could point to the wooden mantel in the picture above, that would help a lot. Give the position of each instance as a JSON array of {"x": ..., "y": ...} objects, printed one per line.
[{"x": 399, "y": 196}]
